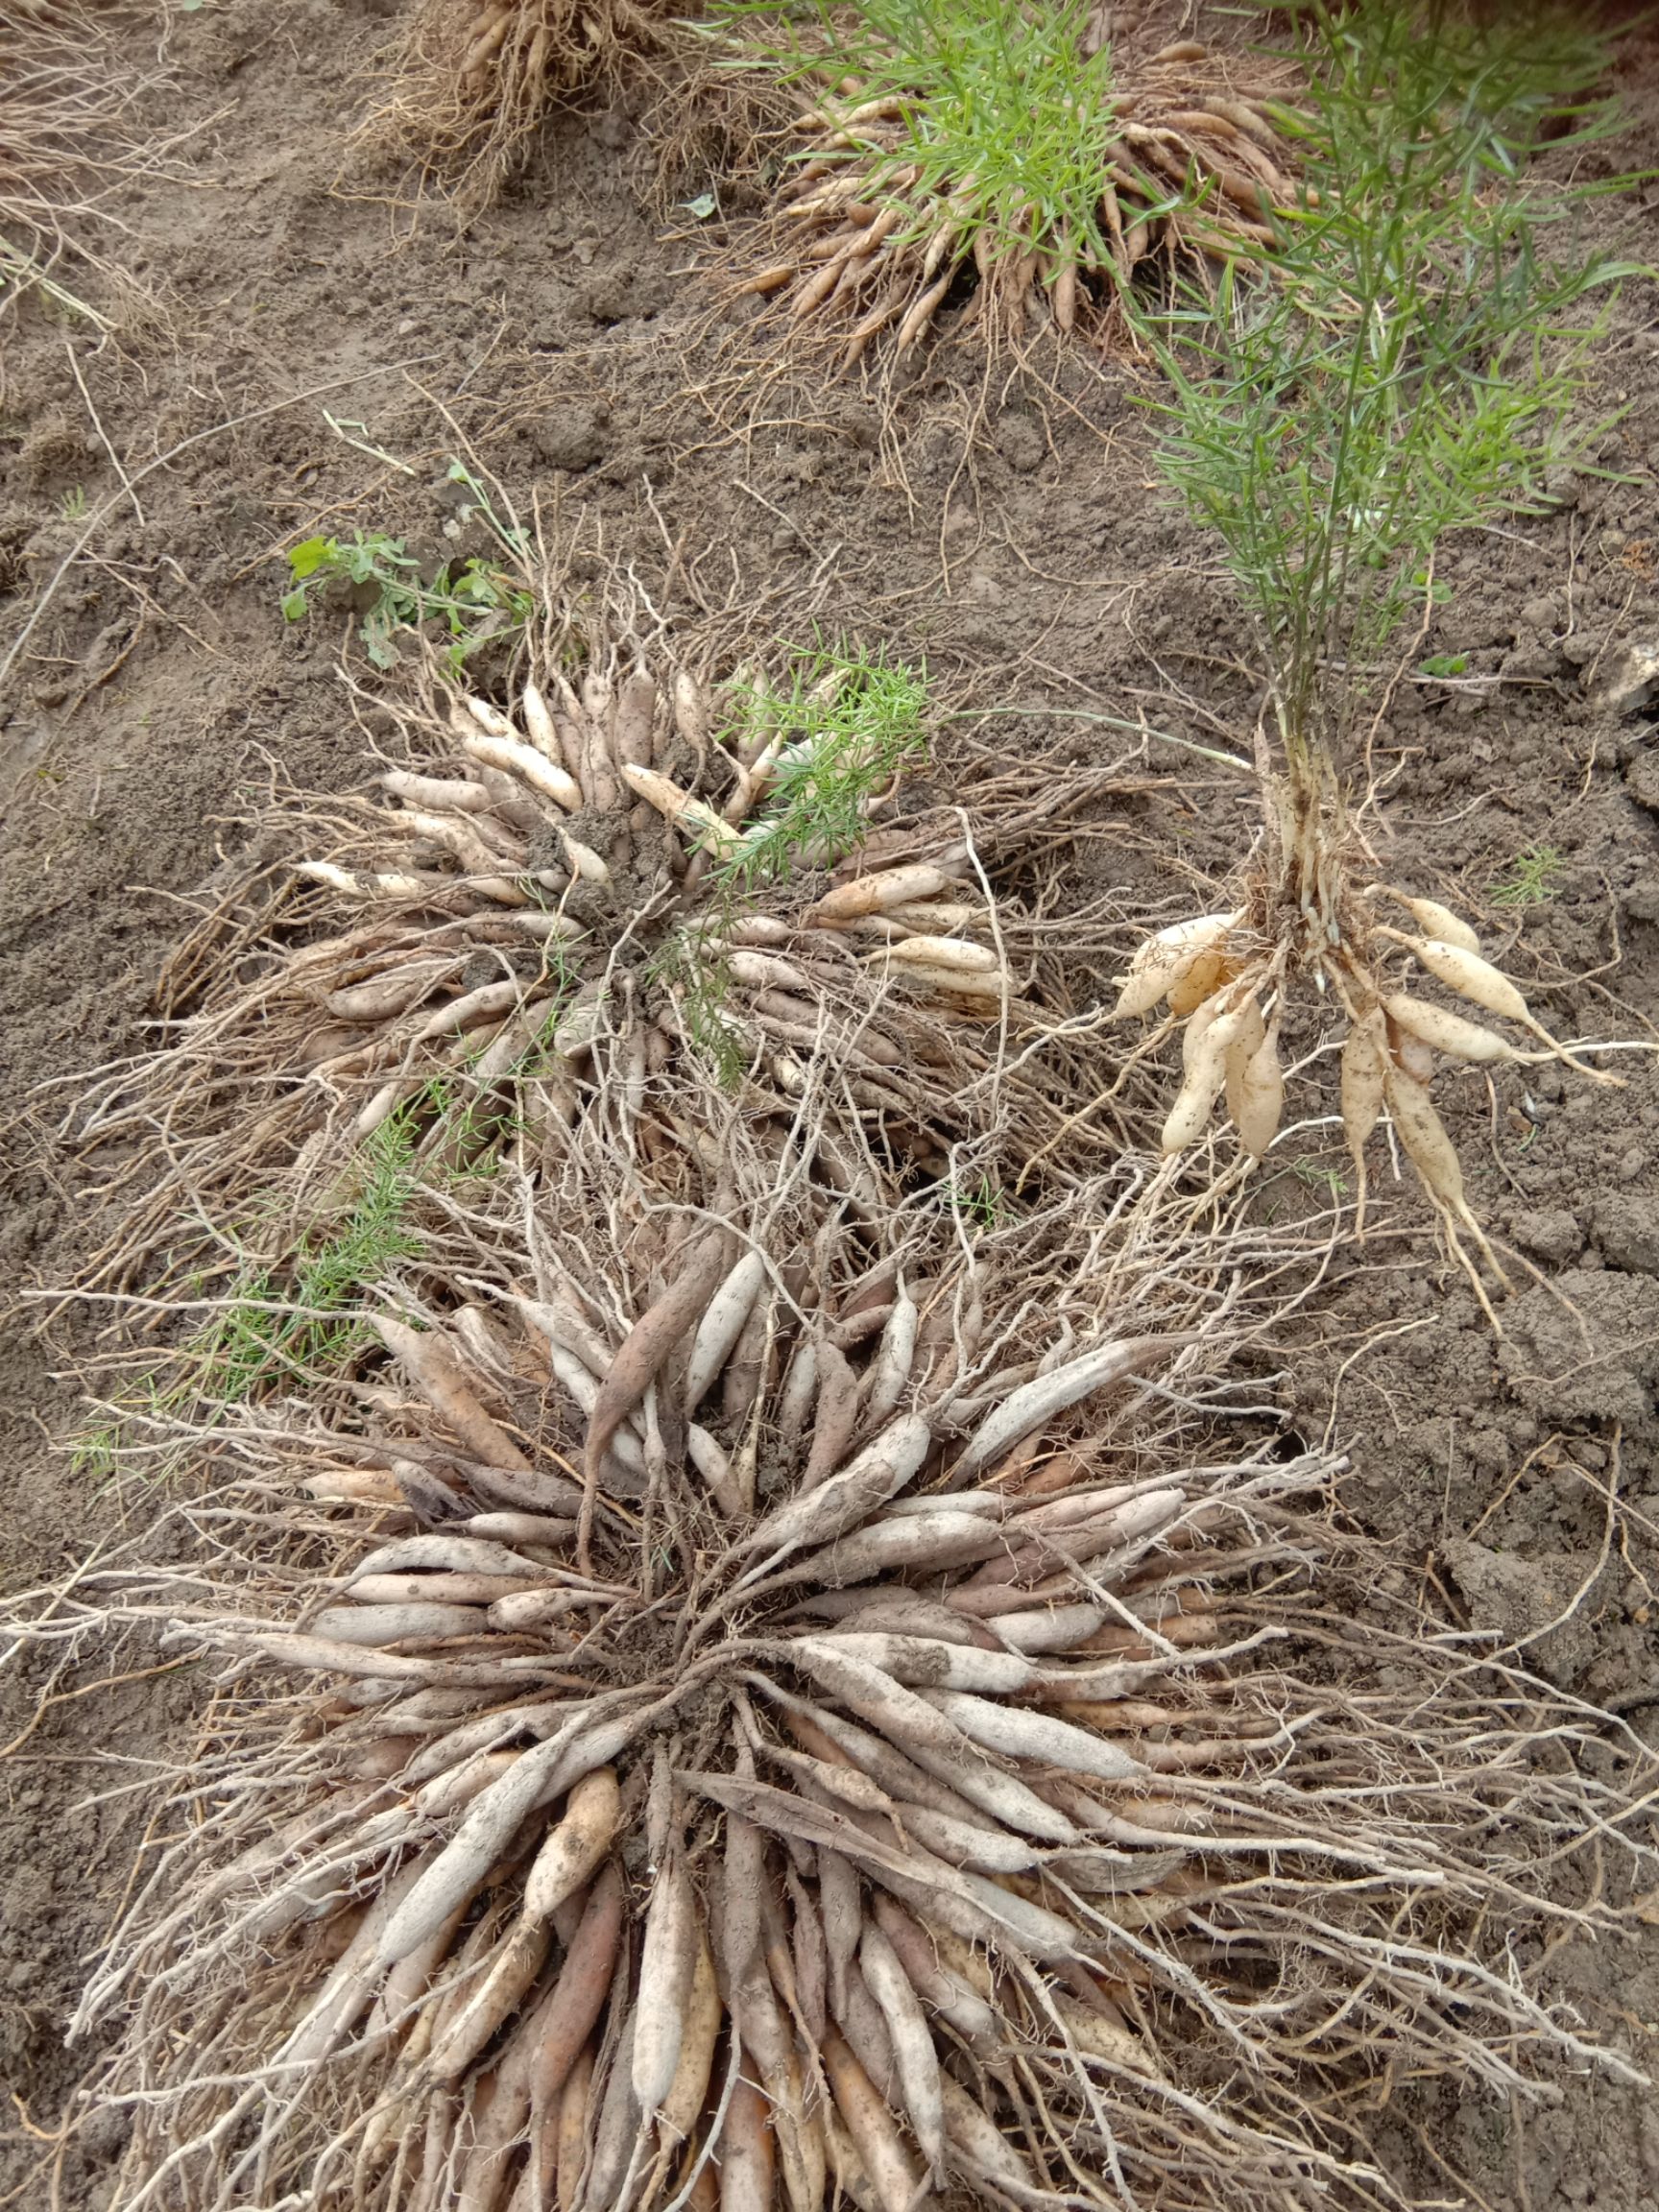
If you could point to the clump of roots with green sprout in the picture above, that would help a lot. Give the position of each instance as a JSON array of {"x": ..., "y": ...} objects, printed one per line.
[
  {"x": 1414, "y": 367},
  {"x": 1006, "y": 153}
]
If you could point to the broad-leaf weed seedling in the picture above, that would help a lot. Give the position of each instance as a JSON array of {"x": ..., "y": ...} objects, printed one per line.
[
  {"x": 1416, "y": 367},
  {"x": 474, "y": 603}
]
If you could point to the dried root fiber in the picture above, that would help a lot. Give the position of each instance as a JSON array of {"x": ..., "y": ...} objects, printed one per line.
[
  {"x": 71, "y": 143},
  {"x": 473, "y": 80}
]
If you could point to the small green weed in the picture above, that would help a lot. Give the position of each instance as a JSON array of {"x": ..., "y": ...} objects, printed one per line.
[
  {"x": 73, "y": 504},
  {"x": 478, "y": 601},
  {"x": 300, "y": 1319},
  {"x": 94, "y": 1453},
  {"x": 688, "y": 965},
  {"x": 1444, "y": 664},
  {"x": 134, "y": 1433},
  {"x": 561, "y": 970},
  {"x": 852, "y": 722},
  {"x": 981, "y": 1202},
  {"x": 1313, "y": 1175},
  {"x": 1532, "y": 879}
]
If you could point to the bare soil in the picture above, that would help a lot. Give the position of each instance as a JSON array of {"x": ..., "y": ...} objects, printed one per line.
[{"x": 1008, "y": 530}]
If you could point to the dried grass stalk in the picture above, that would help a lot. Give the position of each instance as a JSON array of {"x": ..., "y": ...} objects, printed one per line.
[{"x": 71, "y": 144}]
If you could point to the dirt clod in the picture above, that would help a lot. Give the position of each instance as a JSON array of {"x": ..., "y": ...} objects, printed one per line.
[
  {"x": 1551, "y": 1234},
  {"x": 571, "y": 437},
  {"x": 1586, "y": 1348},
  {"x": 1524, "y": 1601},
  {"x": 1629, "y": 680},
  {"x": 1627, "y": 1233}
]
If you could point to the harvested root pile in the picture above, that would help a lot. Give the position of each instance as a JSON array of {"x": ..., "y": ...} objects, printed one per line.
[
  {"x": 554, "y": 894},
  {"x": 789, "y": 1726},
  {"x": 886, "y": 215},
  {"x": 475, "y": 80}
]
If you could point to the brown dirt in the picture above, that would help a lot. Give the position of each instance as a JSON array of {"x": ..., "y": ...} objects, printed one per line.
[{"x": 567, "y": 338}]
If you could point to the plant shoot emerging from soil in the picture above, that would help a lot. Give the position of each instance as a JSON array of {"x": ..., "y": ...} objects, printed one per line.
[
  {"x": 835, "y": 735},
  {"x": 1002, "y": 97},
  {"x": 1532, "y": 879},
  {"x": 1414, "y": 368},
  {"x": 475, "y": 602},
  {"x": 821, "y": 749},
  {"x": 1410, "y": 376}
]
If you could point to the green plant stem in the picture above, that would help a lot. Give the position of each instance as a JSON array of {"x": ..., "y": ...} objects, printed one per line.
[{"x": 1408, "y": 364}]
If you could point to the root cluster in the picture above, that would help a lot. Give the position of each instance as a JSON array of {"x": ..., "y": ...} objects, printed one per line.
[
  {"x": 473, "y": 80},
  {"x": 481, "y": 994},
  {"x": 864, "y": 246},
  {"x": 1224, "y": 978},
  {"x": 541, "y": 896},
  {"x": 783, "y": 1714}
]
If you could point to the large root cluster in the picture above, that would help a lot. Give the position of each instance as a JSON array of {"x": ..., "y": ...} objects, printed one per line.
[
  {"x": 473, "y": 80},
  {"x": 789, "y": 1725},
  {"x": 869, "y": 241},
  {"x": 537, "y": 897}
]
